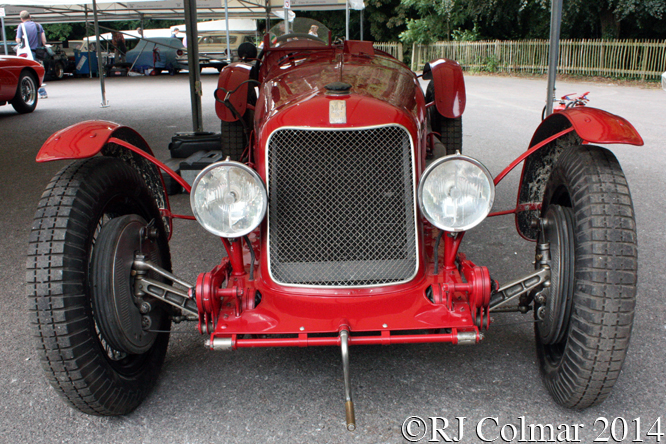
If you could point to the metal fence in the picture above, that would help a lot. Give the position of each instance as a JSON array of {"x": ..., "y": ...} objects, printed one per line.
[
  {"x": 393, "y": 48},
  {"x": 644, "y": 59}
]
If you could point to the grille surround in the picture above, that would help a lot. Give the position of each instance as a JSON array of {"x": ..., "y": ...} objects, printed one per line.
[{"x": 395, "y": 265}]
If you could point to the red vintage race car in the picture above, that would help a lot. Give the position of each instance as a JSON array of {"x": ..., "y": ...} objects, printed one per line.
[
  {"x": 342, "y": 209},
  {"x": 19, "y": 81}
]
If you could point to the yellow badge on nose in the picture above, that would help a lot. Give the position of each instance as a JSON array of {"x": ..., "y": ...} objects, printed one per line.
[{"x": 337, "y": 111}]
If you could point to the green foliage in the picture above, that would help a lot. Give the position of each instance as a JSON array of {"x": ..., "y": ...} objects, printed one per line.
[
  {"x": 492, "y": 63},
  {"x": 430, "y": 21},
  {"x": 387, "y": 19},
  {"x": 57, "y": 31},
  {"x": 433, "y": 20},
  {"x": 423, "y": 31},
  {"x": 466, "y": 35}
]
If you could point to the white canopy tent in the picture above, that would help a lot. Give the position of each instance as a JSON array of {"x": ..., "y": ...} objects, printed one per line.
[
  {"x": 74, "y": 11},
  {"x": 239, "y": 25}
]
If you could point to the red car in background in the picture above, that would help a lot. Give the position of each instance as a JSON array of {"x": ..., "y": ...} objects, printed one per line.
[{"x": 19, "y": 81}]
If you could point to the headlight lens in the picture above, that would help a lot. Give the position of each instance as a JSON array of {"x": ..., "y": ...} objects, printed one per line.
[
  {"x": 456, "y": 193},
  {"x": 228, "y": 199}
]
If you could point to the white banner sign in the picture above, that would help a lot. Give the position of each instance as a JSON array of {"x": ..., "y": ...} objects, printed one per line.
[{"x": 82, "y": 61}]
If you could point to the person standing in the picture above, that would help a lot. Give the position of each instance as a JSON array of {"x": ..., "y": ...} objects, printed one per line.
[
  {"x": 35, "y": 37},
  {"x": 175, "y": 34},
  {"x": 118, "y": 42}
]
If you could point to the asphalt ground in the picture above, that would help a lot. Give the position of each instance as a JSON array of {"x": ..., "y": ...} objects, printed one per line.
[{"x": 296, "y": 394}]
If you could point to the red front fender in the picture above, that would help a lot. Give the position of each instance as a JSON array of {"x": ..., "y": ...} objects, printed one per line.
[
  {"x": 447, "y": 78},
  {"x": 86, "y": 139},
  {"x": 590, "y": 125},
  {"x": 89, "y": 138},
  {"x": 593, "y": 126}
]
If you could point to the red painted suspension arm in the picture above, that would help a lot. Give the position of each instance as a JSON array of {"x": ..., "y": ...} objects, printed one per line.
[{"x": 527, "y": 153}]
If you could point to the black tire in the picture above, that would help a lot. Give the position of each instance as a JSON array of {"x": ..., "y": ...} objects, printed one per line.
[
  {"x": 78, "y": 361},
  {"x": 582, "y": 360},
  {"x": 58, "y": 71},
  {"x": 233, "y": 139},
  {"x": 25, "y": 99},
  {"x": 450, "y": 130}
]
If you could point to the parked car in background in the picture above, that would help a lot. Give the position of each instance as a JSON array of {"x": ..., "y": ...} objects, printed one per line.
[
  {"x": 19, "y": 80},
  {"x": 205, "y": 61},
  {"x": 56, "y": 62},
  {"x": 214, "y": 44},
  {"x": 69, "y": 47},
  {"x": 213, "y": 48},
  {"x": 156, "y": 54}
]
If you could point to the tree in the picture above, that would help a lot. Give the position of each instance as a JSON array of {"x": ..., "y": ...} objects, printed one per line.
[
  {"x": 387, "y": 19},
  {"x": 383, "y": 21},
  {"x": 483, "y": 19},
  {"x": 58, "y": 31},
  {"x": 432, "y": 20},
  {"x": 612, "y": 18}
]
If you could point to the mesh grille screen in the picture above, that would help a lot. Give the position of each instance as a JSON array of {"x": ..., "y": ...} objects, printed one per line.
[{"x": 341, "y": 207}]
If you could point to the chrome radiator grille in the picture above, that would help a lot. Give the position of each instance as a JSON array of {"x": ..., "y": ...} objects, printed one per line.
[{"x": 341, "y": 207}]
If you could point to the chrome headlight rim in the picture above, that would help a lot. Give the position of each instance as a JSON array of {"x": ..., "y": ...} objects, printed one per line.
[
  {"x": 439, "y": 162},
  {"x": 255, "y": 176}
]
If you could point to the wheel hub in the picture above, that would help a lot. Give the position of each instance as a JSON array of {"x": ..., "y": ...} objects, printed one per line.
[
  {"x": 555, "y": 308},
  {"x": 117, "y": 309},
  {"x": 28, "y": 91}
]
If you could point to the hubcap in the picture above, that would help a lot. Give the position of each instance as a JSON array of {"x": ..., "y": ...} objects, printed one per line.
[{"x": 28, "y": 90}]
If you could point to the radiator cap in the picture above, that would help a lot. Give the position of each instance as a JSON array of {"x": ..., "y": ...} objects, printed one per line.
[{"x": 338, "y": 88}]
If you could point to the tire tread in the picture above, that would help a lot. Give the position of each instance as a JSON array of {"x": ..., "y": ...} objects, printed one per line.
[
  {"x": 605, "y": 278},
  {"x": 58, "y": 306}
]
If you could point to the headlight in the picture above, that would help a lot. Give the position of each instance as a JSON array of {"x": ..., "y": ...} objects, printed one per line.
[
  {"x": 456, "y": 193},
  {"x": 228, "y": 199}
]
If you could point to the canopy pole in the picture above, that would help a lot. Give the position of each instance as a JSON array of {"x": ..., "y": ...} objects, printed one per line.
[
  {"x": 553, "y": 52},
  {"x": 285, "y": 11},
  {"x": 226, "y": 20},
  {"x": 268, "y": 18},
  {"x": 361, "y": 24},
  {"x": 100, "y": 70},
  {"x": 347, "y": 20},
  {"x": 4, "y": 36},
  {"x": 88, "y": 42},
  {"x": 193, "y": 64}
]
